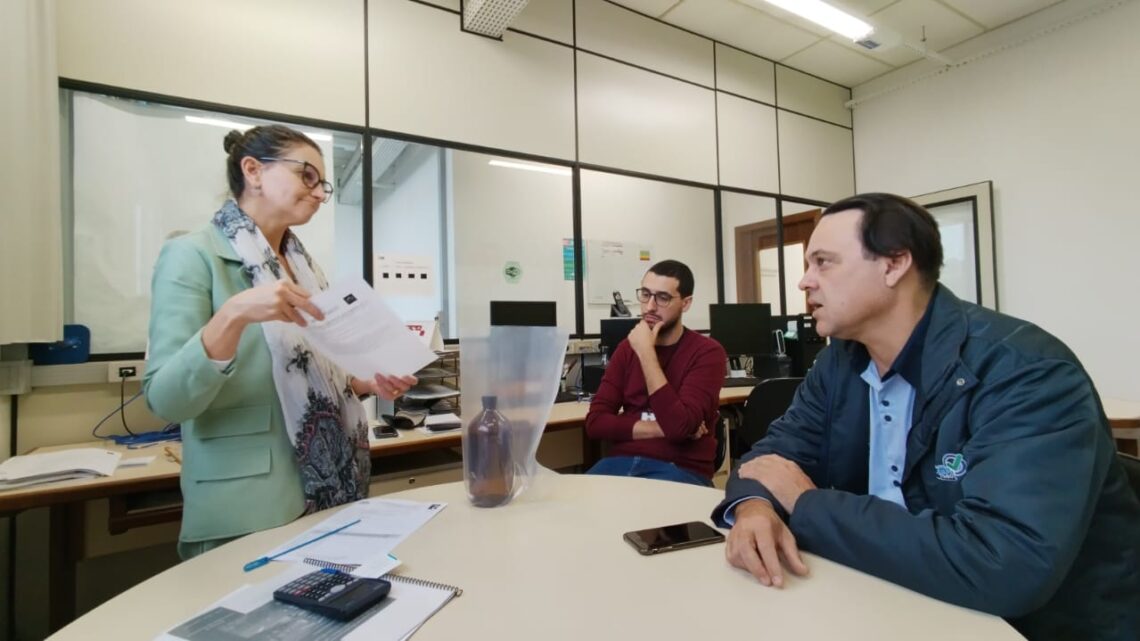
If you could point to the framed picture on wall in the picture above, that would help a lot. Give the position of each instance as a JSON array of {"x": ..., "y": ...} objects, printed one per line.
[{"x": 966, "y": 222}]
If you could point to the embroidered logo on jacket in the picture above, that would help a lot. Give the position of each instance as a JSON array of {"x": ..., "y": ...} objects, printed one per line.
[{"x": 953, "y": 467}]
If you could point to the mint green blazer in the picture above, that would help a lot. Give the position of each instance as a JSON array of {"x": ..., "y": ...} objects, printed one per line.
[{"x": 239, "y": 474}]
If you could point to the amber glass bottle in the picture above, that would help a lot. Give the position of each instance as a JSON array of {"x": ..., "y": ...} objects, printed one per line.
[{"x": 490, "y": 470}]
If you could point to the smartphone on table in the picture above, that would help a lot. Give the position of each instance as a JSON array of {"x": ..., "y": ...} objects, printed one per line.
[
  {"x": 673, "y": 537},
  {"x": 385, "y": 431}
]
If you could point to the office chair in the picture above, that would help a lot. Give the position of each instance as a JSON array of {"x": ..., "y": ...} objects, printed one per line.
[
  {"x": 767, "y": 402},
  {"x": 1131, "y": 470},
  {"x": 721, "y": 435}
]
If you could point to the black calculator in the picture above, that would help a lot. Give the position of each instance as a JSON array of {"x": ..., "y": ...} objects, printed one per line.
[{"x": 333, "y": 593}]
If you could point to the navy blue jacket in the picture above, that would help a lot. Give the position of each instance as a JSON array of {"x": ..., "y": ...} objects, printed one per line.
[{"x": 1041, "y": 528}]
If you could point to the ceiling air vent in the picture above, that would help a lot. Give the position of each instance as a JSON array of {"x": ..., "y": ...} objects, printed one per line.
[{"x": 490, "y": 17}]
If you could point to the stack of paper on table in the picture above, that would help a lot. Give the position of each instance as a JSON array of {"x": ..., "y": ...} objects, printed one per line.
[
  {"x": 435, "y": 423},
  {"x": 32, "y": 469}
]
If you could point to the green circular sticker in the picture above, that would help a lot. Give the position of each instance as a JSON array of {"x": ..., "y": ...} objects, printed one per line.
[{"x": 512, "y": 271}]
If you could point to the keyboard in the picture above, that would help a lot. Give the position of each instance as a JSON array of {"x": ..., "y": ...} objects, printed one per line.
[{"x": 741, "y": 382}]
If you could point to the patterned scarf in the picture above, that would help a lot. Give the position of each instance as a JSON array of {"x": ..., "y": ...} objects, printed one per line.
[{"x": 325, "y": 421}]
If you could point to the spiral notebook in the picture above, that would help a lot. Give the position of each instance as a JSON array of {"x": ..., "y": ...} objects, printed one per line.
[{"x": 414, "y": 601}]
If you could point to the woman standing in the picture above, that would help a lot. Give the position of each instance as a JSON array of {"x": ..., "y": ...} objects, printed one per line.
[{"x": 271, "y": 430}]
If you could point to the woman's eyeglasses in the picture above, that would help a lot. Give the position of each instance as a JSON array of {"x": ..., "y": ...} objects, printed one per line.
[
  {"x": 310, "y": 177},
  {"x": 664, "y": 299}
]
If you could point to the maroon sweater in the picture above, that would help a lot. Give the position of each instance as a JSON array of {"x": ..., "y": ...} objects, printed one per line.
[{"x": 694, "y": 368}]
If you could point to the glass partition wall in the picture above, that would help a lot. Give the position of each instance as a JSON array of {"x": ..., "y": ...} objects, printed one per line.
[
  {"x": 630, "y": 223},
  {"x": 452, "y": 229},
  {"x": 471, "y": 228},
  {"x": 764, "y": 241},
  {"x": 137, "y": 173}
]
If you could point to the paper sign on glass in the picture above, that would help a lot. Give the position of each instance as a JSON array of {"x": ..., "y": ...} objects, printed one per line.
[
  {"x": 427, "y": 332},
  {"x": 403, "y": 274},
  {"x": 362, "y": 335}
]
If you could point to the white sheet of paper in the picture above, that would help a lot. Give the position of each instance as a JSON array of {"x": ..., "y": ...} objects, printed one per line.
[
  {"x": 362, "y": 335},
  {"x": 138, "y": 461},
  {"x": 384, "y": 523},
  {"x": 92, "y": 460},
  {"x": 437, "y": 419}
]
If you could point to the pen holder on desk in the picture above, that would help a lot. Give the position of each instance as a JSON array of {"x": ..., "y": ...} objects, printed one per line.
[{"x": 513, "y": 375}]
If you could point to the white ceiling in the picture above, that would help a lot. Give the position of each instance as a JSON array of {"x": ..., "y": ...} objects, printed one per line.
[{"x": 763, "y": 29}]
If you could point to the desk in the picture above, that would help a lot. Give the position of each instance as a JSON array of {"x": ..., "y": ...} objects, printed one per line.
[
  {"x": 163, "y": 474},
  {"x": 563, "y": 416},
  {"x": 553, "y": 565},
  {"x": 67, "y": 498}
]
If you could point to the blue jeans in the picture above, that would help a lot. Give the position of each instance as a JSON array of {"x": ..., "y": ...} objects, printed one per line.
[{"x": 646, "y": 468}]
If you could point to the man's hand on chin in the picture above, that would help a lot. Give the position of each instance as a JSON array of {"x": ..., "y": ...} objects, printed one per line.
[{"x": 643, "y": 338}]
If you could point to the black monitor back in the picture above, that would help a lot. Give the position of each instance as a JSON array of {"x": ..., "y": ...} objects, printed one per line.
[
  {"x": 742, "y": 328},
  {"x": 527, "y": 313},
  {"x": 614, "y": 331}
]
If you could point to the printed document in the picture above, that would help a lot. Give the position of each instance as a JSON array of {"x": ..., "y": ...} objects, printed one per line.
[
  {"x": 363, "y": 548},
  {"x": 362, "y": 335}
]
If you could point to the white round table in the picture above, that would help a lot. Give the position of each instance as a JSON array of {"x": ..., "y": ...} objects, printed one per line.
[{"x": 552, "y": 565}]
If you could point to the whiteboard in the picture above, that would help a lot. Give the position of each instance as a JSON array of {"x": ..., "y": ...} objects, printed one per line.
[{"x": 615, "y": 266}]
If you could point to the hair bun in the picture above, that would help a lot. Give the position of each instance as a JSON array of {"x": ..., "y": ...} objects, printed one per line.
[{"x": 231, "y": 140}]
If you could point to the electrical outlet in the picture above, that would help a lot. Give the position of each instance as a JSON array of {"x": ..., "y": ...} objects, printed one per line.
[{"x": 124, "y": 371}]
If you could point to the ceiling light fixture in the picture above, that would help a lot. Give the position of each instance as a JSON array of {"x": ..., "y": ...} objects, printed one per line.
[
  {"x": 546, "y": 169},
  {"x": 827, "y": 16},
  {"x": 241, "y": 126}
]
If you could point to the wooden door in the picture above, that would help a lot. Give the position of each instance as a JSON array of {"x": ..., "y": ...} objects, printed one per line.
[{"x": 755, "y": 238}]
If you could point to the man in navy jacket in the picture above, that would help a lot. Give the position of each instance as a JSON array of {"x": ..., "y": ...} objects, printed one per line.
[{"x": 939, "y": 445}]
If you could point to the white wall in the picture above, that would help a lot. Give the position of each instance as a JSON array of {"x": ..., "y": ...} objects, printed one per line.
[
  {"x": 282, "y": 56},
  {"x": 634, "y": 119},
  {"x": 1053, "y": 124},
  {"x": 427, "y": 77},
  {"x": 815, "y": 158},
  {"x": 746, "y": 135},
  {"x": 613, "y": 31}
]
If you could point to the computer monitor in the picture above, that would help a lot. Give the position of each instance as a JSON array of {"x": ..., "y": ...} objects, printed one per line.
[
  {"x": 528, "y": 313},
  {"x": 742, "y": 328},
  {"x": 614, "y": 331}
]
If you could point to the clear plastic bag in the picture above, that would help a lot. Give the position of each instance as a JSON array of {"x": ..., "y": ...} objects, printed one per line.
[{"x": 509, "y": 382}]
